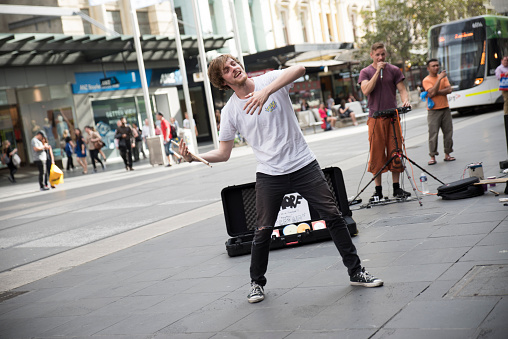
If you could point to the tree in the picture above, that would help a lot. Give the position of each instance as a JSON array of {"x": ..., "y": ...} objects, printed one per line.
[{"x": 403, "y": 25}]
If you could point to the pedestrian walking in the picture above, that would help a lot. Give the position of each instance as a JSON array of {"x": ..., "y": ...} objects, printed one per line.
[
  {"x": 166, "y": 136},
  {"x": 80, "y": 150},
  {"x": 125, "y": 143},
  {"x": 39, "y": 156},
  {"x": 138, "y": 142},
  {"x": 49, "y": 162},
  {"x": 7, "y": 159},
  {"x": 94, "y": 144},
  {"x": 502, "y": 76},
  {"x": 69, "y": 150},
  {"x": 145, "y": 132},
  {"x": 100, "y": 148},
  {"x": 260, "y": 109}
]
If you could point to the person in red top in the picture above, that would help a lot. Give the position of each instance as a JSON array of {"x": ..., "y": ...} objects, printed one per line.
[
  {"x": 439, "y": 117},
  {"x": 328, "y": 122},
  {"x": 166, "y": 136}
]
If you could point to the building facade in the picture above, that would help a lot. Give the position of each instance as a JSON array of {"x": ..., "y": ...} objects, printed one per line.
[{"x": 51, "y": 67}]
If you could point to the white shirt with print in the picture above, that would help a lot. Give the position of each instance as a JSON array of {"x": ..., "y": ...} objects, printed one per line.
[{"x": 274, "y": 135}]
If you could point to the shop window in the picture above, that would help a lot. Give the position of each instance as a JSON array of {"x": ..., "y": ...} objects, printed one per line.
[
  {"x": 48, "y": 109},
  {"x": 106, "y": 114}
]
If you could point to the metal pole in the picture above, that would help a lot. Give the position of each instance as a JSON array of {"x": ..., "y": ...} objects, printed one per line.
[
  {"x": 235, "y": 31},
  {"x": 204, "y": 69},
  {"x": 141, "y": 66},
  {"x": 183, "y": 73}
]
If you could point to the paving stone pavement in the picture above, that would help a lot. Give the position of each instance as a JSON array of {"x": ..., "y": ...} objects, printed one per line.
[{"x": 445, "y": 267}]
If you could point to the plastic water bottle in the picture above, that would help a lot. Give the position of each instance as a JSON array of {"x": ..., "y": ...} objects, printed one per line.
[{"x": 423, "y": 181}]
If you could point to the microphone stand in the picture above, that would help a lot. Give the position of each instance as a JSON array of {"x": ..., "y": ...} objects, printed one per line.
[{"x": 397, "y": 153}]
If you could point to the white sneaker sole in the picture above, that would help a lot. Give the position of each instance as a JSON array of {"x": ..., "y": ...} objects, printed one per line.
[
  {"x": 372, "y": 284},
  {"x": 256, "y": 299}
]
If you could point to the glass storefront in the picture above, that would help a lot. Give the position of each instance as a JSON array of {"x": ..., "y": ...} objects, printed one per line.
[
  {"x": 107, "y": 112},
  {"x": 308, "y": 88},
  {"x": 8, "y": 130},
  {"x": 49, "y": 109}
]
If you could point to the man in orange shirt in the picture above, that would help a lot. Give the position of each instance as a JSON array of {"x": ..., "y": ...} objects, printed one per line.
[{"x": 438, "y": 86}]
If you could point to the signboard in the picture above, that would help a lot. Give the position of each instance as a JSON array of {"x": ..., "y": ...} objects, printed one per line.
[
  {"x": 108, "y": 82},
  {"x": 91, "y": 82},
  {"x": 294, "y": 208},
  {"x": 166, "y": 78}
]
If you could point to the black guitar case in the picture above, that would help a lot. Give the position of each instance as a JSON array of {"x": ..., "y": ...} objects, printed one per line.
[
  {"x": 239, "y": 204},
  {"x": 461, "y": 189}
]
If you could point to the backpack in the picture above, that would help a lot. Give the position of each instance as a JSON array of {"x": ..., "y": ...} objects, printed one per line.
[
  {"x": 460, "y": 189},
  {"x": 173, "y": 131}
]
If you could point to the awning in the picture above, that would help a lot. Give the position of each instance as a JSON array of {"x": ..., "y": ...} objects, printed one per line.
[
  {"x": 59, "y": 49},
  {"x": 316, "y": 55},
  {"x": 319, "y": 58}
]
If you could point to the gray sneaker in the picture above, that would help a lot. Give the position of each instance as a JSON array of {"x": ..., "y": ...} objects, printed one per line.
[
  {"x": 256, "y": 293},
  {"x": 364, "y": 278}
]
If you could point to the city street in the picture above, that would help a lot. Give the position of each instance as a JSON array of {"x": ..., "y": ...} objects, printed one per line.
[{"x": 141, "y": 254}]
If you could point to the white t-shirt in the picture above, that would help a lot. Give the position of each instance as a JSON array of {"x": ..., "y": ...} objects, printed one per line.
[
  {"x": 186, "y": 123},
  {"x": 274, "y": 135}
]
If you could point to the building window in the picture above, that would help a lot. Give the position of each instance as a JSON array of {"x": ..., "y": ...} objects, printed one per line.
[
  {"x": 255, "y": 29},
  {"x": 178, "y": 12},
  {"x": 213, "y": 17},
  {"x": 114, "y": 21},
  {"x": 284, "y": 22},
  {"x": 330, "y": 26},
  {"x": 87, "y": 26},
  {"x": 303, "y": 23},
  {"x": 143, "y": 23}
]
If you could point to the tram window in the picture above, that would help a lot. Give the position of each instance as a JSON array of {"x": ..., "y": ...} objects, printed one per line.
[{"x": 497, "y": 49}]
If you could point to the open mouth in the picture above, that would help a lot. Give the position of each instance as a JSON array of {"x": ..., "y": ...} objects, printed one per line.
[{"x": 237, "y": 74}]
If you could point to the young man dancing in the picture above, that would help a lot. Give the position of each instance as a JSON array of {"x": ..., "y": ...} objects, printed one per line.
[{"x": 260, "y": 109}]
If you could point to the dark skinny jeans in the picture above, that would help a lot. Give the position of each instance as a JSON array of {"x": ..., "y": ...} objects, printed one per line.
[
  {"x": 311, "y": 184},
  {"x": 41, "y": 166},
  {"x": 94, "y": 155},
  {"x": 126, "y": 153}
]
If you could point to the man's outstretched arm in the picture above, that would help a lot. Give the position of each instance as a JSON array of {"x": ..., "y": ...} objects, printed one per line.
[
  {"x": 217, "y": 155},
  {"x": 258, "y": 99}
]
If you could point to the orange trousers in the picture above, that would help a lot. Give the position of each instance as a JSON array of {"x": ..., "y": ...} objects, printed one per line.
[{"x": 382, "y": 145}]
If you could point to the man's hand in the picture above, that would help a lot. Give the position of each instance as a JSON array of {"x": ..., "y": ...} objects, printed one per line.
[
  {"x": 442, "y": 74},
  {"x": 381, "y": 65},
  {"x": 256, "y": 100},
  {"x": 184, "y": 151}
]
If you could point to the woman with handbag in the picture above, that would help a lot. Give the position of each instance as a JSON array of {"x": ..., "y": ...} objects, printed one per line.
[
  {"x": 101, "y": 144},
  {"x": 8, "y": 155},
  {"x": 94, "y": 143}
]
